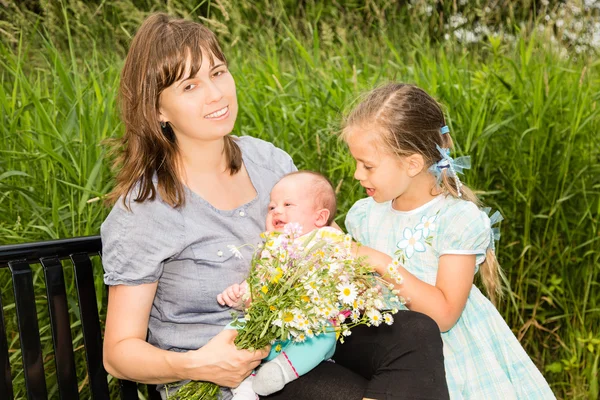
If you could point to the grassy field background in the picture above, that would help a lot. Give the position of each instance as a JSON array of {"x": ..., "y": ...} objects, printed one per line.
[{"x": 519, "y": 81}]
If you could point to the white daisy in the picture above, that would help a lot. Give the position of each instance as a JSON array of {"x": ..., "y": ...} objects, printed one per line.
[
  {"x": 388, "y": 319},
  {"x": 411, "y": 242},
  {"x": 375, "y": 317},
  {"x": 236, "y": 252},
  {"x": 427, "y": 225},
  {"x": 347, "y": 293}
]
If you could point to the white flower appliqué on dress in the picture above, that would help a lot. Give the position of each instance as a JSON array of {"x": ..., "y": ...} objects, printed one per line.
[
  {"x": 427, "y": 225},
  {"x": 411, "y": 242}
]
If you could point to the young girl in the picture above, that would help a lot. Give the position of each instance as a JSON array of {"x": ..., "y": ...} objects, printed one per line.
[{"x": 419, "y": 212}]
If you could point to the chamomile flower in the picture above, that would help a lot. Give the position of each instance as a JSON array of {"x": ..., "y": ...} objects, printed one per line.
[
  {"x": 236, "y": 252},
  {"x": 347, "y": 293},
  {"x": 374, "y": 317},
  {"x": 388, "y": 319}
]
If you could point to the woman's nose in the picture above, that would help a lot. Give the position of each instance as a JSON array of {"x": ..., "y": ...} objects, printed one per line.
[{"x": 213, "y": 92}]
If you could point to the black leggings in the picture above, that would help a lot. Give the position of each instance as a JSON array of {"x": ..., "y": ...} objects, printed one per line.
[{"x": 401, "y": 361}]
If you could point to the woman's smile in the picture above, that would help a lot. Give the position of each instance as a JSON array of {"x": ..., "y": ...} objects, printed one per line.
[{"x": 219, "y": 114}]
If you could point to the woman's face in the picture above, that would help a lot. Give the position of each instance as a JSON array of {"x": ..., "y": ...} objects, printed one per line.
[{"x": 201, "y": 107}]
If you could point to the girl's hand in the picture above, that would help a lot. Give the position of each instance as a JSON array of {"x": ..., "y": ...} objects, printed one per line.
[
  {"x": 220, "y": 360},
  {"x": 232, "y": 296}
]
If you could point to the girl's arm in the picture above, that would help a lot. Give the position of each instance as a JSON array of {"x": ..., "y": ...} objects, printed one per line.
[
  {"x": 127, "y": 355},
  {"x": 443, "y": 302}
]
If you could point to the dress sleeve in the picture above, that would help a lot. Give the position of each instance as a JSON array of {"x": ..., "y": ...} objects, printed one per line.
[
  {"x": 357, "y": 221},
  {"x": 136, "y": 243},
  {"x": 465, "y": 230}
]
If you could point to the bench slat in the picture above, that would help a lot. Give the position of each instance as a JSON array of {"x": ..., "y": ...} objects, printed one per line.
[
  {"x": 90, "y": 322},
  {"x": 128, "y": 390},
  {"x": 6, "y": 389},
  {"x": 153, "y": 393},
  {"x": 61, "y": 328},
  {"x": 29, "y": 333}
]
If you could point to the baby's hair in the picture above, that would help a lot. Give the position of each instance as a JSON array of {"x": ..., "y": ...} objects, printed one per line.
[
  {"x": 322, "y": 190},
  {"x": 410, "y": 122}
]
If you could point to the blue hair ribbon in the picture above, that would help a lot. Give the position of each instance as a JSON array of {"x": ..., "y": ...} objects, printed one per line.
[
  {"x": 495, "y": 218},
  {"x": 454, "y": 166},
  {"x": 444, "y": 129}
]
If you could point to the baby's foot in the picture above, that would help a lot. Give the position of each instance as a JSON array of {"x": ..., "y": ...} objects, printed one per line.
[{"x": 273, "y": 375}]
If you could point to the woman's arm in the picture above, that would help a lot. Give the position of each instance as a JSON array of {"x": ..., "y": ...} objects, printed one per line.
[
  {"x": 443, "y": 302},
  {"x": 127, "y": 355}
]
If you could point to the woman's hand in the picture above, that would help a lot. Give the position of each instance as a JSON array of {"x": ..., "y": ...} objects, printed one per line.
[{"x": 221, "y": 360}]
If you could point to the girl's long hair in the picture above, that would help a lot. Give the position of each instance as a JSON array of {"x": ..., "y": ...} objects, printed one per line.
[
  {"x": 158, "y": 57},
  {"x": 411, "y": 120}
]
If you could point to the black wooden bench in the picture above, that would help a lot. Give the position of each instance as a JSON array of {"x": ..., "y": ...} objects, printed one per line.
[{"x": 18, "y": 259}]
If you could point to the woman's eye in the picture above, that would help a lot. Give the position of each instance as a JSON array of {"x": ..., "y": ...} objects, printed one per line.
[
  {"x": 367, "y": 167},
  {"x": 288, "y": 204},
  {"x": 189, "y": 87}
]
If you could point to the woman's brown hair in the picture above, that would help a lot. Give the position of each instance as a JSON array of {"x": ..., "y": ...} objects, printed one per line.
[
  {"x": 157, "y": 58},
  {"x": 411, "y": 120}
]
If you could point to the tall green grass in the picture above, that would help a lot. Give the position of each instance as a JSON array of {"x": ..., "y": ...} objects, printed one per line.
[{"x": 527, "y": 115}]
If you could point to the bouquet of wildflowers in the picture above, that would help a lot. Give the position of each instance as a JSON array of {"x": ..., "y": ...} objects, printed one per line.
[{"x": 304, "y": 286}]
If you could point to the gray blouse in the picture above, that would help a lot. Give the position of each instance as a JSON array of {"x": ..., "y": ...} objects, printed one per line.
[{"x": 186, "y": 251}]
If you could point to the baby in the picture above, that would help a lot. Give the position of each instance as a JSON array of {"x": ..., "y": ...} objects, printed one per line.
[{"x": 308, "y": 199}]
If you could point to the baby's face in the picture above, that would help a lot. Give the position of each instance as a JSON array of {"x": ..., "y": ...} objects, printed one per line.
[{"x": 291, "y": 201}]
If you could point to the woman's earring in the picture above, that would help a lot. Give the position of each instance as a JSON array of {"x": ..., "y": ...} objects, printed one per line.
[{"x": 167, "y": 131}]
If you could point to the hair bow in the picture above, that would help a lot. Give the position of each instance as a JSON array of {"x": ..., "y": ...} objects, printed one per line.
[
  {"x": 495, "y": 219},
  {"x": 454, "y": 166}
]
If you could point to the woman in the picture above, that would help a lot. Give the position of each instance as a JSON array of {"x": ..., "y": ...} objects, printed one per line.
[{"x": 185, "y": 191}]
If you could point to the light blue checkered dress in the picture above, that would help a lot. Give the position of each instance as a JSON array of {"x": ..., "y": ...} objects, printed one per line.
[{"x": 483, "y": 358}]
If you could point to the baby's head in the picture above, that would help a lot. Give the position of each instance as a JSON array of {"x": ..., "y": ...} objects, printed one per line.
[{"x": 304, "y": 197}]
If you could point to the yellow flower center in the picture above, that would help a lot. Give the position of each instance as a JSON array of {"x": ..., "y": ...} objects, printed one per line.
[
  {"x": 412, "y": 241},
  {"x": 288, "y": 317},
  {"x": 264, "y": 289},
  {"x": 347, "y": 291}
]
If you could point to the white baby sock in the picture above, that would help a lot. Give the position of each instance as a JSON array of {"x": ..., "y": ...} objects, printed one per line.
[
  {"x": 244, "y": 390},
  {"x": 273, "y": 375}
]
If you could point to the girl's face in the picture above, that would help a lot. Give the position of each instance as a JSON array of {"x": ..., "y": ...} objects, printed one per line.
[
  {"x": 380, "y": 172},
  {"x": 201, "y": 107}
]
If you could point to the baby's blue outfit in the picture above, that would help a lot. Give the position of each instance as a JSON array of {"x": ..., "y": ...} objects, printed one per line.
[{"x": 483, "y": 358}]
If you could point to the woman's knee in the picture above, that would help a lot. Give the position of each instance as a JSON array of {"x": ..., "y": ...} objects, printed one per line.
[{"x": 417, "y": 325}]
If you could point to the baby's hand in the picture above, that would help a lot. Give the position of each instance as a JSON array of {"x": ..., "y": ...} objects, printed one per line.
[{"x": 232, "y": 296}]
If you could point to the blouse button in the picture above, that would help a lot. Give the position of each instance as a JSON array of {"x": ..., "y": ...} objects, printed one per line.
[
  {"x": 220, "y": 253},
  {"x": 242, "y": 214}
]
